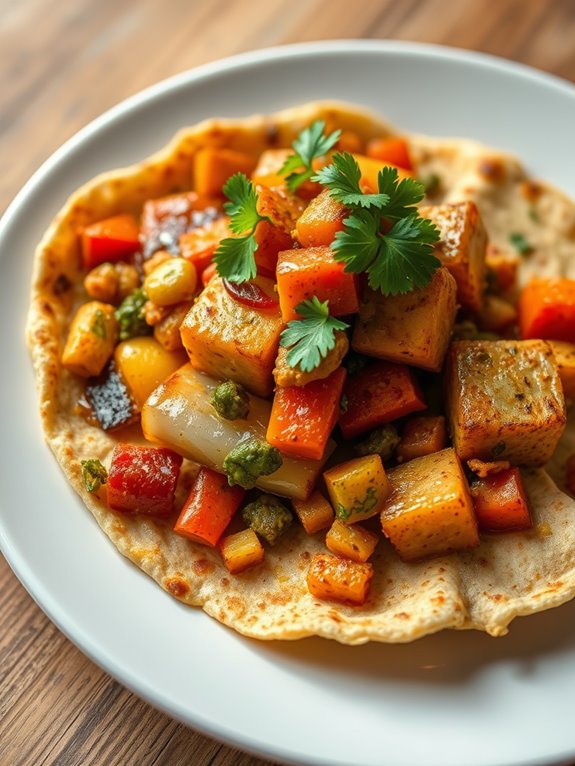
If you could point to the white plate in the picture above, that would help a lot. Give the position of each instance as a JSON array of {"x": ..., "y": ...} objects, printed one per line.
[{"x": 449, "y": 699}]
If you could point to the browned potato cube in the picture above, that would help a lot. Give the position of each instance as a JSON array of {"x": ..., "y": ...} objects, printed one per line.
[
  {"x": 414, "y": 328},
  {"x": 227, "y": 339},
  {"x": 241, "y": 551},
  {"x": 315, "y": 513},
  {"x": 429, "y": 511},
  {"x": 351, "y": 541},
  {"x": 462, "y": 248},
  {"x": 565, "y": 357},
  {"x": 504, "y": 400},
  {"x": 335, "y": 579}
]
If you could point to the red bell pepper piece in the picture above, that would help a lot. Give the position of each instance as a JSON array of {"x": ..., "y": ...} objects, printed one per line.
[
  {"x": 500, "y": 502},
  {"x": 209, "y": 508},
  {"x": 143, "y": 479},
  {"x": 303, "y": 417},
  {"x": 378, "y": 394},
  {"x": 547, "y": 309},
  {"x": 113, "y": 239}
]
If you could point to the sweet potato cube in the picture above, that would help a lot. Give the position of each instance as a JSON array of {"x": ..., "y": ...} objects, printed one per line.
[
  {"x": 462, "y": 248},
  {"x": 371, "y": 167},
  {"x": 351, "y": 541},
  {"x": 241, "y": 551},
  {"x": 429, "y": 511},
  {"x": 547, "y": 309},
  {"x": 421, "y": 436},
  {"x": 504, "y": 400},
  {"x": 274, "y": 235},
  {"x": 213, "y": 166},
  {"x": 414, "y": 328},
  {"x": 200, "y": 244},
  {"x": 333, "y": 579},
  {"x": 227, "y": 339},
  {"x": 315, "y": 513},
  {"x": 267, "y": 171},
  {"x": 380, "y": 393},
  {"x": 302, "y": 273},
  {"x": 500, "y": 502},
  {"x": 565, "y": 357},
  {"x": 357, "y": 488},
  {"x": 320, "y": 221}
]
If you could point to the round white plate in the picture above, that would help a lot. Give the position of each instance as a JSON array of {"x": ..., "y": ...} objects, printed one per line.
[{"x": 451, "y": 699}]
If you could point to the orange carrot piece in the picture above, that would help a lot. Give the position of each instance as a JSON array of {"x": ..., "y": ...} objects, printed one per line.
[
  {"x": 320, "y": 221},
  {"x": 315, "y": 513},
  {"x": 335, "y": 579},
  {"x": 199, "y": 245},
  {"x": 422, "y": 436},
  {"x": 213, "y": 167},
  {"x": 394, "y": 150},
  {"x": 547, "y": 309},
  {"x": 282, "y": 209},
  {"x": 303, "y": 417},
  {"x": 241, "y": 550},
  {"x": 370, "y": 168},
  {"x": 113, "y": 239},
  {"x": 380, "y": 393},
  {"x": 500, "y": 502}
]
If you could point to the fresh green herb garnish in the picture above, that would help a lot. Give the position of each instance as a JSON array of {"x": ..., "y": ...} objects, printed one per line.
[
  {"x": 342, "y": 178},
  {"x": 308, "y": 146},
  {"x": 234, "y": 257},
  {"x": 520, "y": 243},
  {"x": 311, "y": 337},
  {"x": 99, "y": 324},
  {"x": 130, "y": 315},
  {"x": 93, "y": 474}
]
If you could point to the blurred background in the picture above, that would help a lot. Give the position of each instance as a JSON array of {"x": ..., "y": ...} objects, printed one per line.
[{"x": 62, "y": 64}]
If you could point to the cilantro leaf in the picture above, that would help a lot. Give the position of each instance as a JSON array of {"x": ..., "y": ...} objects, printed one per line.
[
  {"x": 310, "y": 338},
  {"x": 242, "y": 205},
  {"x": 402, "y": 195},
  {"x": 310, "y": 144},
  {"x": 342, "y": 177},
  {"x": 235, "y": 260}
]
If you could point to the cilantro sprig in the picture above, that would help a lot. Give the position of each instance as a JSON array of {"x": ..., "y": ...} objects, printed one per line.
[
  {"x": 310, "y": 338},
  {"x": 308, "y": 146},
  {"x": 234, "y": 257}
]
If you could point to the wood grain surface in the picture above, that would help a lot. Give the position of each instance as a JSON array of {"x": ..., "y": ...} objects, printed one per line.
[{"x": 61, "y": 65}]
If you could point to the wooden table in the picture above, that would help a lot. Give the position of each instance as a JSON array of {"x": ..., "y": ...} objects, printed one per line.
[{"x": 63, "y": 64}]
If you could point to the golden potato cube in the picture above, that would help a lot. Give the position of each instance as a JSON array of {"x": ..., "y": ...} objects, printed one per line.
[
  {"x": 504, "y": 400},
  {"x": 335, "y": 579},
  {"x": 91, "y": 340},
  {"x": 241, "y": 550},
  {"x": 227, "y": 339},
  {"x": 429, "y": 511},
  {"x": 357, "y": 488},
  {"x": 501, "y": 269},
  {"x": 565, "y": 357},
  {"x": 315, "y": 513},
  {"x": 462, "y": 248},
  {"x": 414, "y": 328},
  {"x": 351, "y": 541},
  {"x": 143, "y": 364}
]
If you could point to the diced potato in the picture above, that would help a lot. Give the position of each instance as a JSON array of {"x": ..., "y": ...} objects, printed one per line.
[
  {"x": 462, "y": 248},
  {"x": 565, "y": 357},
  {"x": 285, "y": 375},
  {"x": 241, "y": 551},
  {"x": 173, "y": 281},
  {"x": 227, "y": 339},
  {"x": 414, "y": 328},
  {"x": 214, "y": 165},
  {"x": 333, "y": 579},
  {"x": 421, "y": 436},
  {"x": 91, "y": 340},
  {"x": 504, "y": 400},
  {"x": 429, "y": 511},
  {"x": 351, "y": 541},
  {"x": 496, "y": 314},
  {"x": 500, "y": 502},
  {"x": 502, "y": 268},
  {"x": 143, "y": 364},
  {"x": 315, "y": 513},
  {"x": 357, "y": 488},
  {"x": 167, "y": 330}
]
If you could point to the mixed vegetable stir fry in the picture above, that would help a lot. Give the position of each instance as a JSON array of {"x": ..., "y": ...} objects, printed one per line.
[{"x": 331, "y": 348}]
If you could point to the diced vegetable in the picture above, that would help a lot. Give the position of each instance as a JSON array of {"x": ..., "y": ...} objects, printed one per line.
[
  {"x": 229, "y": 340},
  {"x": 304, "y": 273},
  {"x": 502, "y": 268},
  {"x": 378, "y": 394},
  {"x": 315, "y": 513},
  {"x": 422, "y": 436},
  {"x": 93, "y": 334},
  {"x": 231, "y": 401},
  {"x": 143, "y": 364},
  {"x": 462, "y": 248},
  {"x": 272, "y": 236},
  {"x": 143, "y": 479},
  {"x": 414, "y": 328},
  {"x": 370, "y": 169},
  {"x": 547, "y": 309},
  {"x": 349, "y": 141},
  {"x": 131, "y": 315},
  {"x": 113, "y": 239},
  {"x": 267, "y": 171},
  {"x": 167, "y": 330},
  {"x": 199, "y": 245},
  {"x": 504, "y": 400},
  {"x": 209, "y": 273},
  {"x": 109, "y": 400},
  {"x": 394, "y": 150},
  {"x": 94, "y": 475},
  {"x": 564, "y": 354},
  {"x": 173, "y": 281},
  {"x": 333, "y": 579},
  {"x": 241, "y": 551},
  {"x": 285, "y": 375},
  {"x": 351, "y": 541},
  {"x": 500, "y": 502},
  {"x": 179, "y": 414},
  {"x": 496, "y": 314},
  {"x": 303, "y": 417},
  {"x": 213, "y": 166},
  {"x": 381, "y": 441},
  {"x": 484, "y": 469},
  {"x": 357, "y": 488},
  {"x": 209, "y": 508},
  {"x": 249, "y": 460},
  {"x": 429, "y": 511},
  {"x": 320, "y": 221},
  {"x": 268, "y": 517},
  {"x": 111, "y": 282}
]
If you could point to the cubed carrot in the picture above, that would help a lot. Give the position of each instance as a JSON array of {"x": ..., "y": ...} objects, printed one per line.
[
  {"x": 357, "y": 488},
  {"x": 213, "y": 166},
  {"x": 500, "y": 502},
  {"x": 303, "y": 417},
  {"x": 421, "y": 436},
  {"x": 334, "y": 579},
  {"x": 282, "y": 210},
  {"x": 314, "y": 271},
  {"x": 320, "y": 221},
  {"x": 113, "y": 239},
  {"x": 199, "y": 245},
  {"x": 351, "y": 541},
  {"x": 209, "y": 507},
  {"x": 315, "y": 513},
  {"x": 394, "y": 150},
  {"x": 241, "y": 551},
  {"x": 370, "y": 169},
  {"x": 547, "y": 309},
  {"x": 380, "y": 393}
]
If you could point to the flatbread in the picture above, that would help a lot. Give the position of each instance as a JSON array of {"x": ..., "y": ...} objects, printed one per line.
[{"x": 508, "y": 575}]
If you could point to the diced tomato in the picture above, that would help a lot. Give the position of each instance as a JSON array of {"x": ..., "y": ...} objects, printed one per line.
[
  {"x": 547, "y": 309},
  {"x": 143, "y": 479},
  {"x": 113, "y": 239},
  {"x": 500, "y": 502},
  {"x": 209, "y": 508},
  {"x": 393, "y": 150}
]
